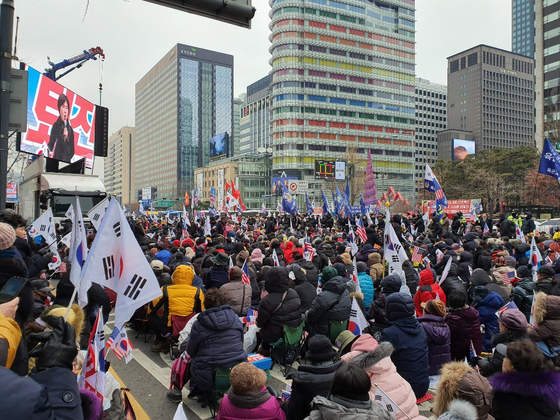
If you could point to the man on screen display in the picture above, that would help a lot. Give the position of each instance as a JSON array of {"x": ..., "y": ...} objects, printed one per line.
[{"x": 61, "y": 142}]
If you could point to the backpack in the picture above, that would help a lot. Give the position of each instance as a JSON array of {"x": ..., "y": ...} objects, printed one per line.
[{"x": 180, "y": 371}]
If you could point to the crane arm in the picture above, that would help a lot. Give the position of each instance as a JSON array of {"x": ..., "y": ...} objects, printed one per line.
[{"x": 76, "y": 61}]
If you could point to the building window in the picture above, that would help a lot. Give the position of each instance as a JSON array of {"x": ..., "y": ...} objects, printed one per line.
[{"x": 473, "y": 59}]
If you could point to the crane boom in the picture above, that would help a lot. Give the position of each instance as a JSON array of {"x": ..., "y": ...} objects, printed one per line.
[{"x": 76, "y": 61}]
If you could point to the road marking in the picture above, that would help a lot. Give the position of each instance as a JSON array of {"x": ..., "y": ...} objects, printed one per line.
[{"x": 138, "y": 410}]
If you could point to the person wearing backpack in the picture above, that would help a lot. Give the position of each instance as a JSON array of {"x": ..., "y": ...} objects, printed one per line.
[{"x": 506, "y": 227}]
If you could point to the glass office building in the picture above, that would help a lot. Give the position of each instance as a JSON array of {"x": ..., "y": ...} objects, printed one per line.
[
  {"x": 182, "y": 102},
  {"x": 342, "y": 83},
  {"x": 255, "y": 117},
  {"x": 523, "y": 27}
]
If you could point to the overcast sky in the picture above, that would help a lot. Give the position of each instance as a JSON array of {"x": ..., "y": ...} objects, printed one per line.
[{"x": 135, "y": 35}]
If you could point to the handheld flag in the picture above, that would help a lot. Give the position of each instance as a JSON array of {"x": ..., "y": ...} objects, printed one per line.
[
  {"x": 44, "y": 226},
  {"x": 92, "y": 377},
  {"x": 384, "y": 401},
  {"x": 326, "y": 209},
  {"x": 357, "y": 323},
  {"x": 360, "y": 230},
  {"x": 431, "y": 184},
  {"x": 289, "y": 204},
  {"x": 309, "y": 252},
  {"x": 550, "y": 161},
  {"x": 352, "y": 239},
  {"x": 519, "y": 235},
  {"x": 116, "y": 261},
  {"x": 120, "y": 344},
  {"x": 245, "y": 278},
  {"x": 78, "y": 255},
  {"x": 394, "y": 253},
  {"x": 363, "y": 208},
  {"x": 310, "y": 210},
  {"x": 95, "y": 215},
  {"x": 445, "y": 271},
  {"x": 485, "y": 230},
  {"x": 275, "y": 258},
  {"x": 535, "y": 258},
  {"x": 417, "y": 254},
  {"x": 263, "y": 209},
  {"x": 347, "y": 191}
]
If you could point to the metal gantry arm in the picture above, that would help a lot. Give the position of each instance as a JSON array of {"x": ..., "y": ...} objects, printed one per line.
[{"x": 76, "y": 62}]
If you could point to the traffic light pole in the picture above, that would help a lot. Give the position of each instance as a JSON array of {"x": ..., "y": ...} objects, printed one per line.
[{"x": 6, "y": 30}]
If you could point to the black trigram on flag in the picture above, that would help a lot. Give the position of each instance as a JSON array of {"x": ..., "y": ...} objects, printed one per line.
[
  {"x": 109, "y": 267},
  {"x": 43, "y": 228},
  {"x": 353, "y": 313},
  {"x": 96, "y": 216},
  {"x": 395, "y": 258},
  {"x": 117, "y": 229},
  {"x": 397, "y": 248},
  {"x": 135, "y": 287}
]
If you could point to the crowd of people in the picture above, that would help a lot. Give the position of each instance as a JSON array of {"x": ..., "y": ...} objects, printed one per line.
[{"x": 439, "y": 316}]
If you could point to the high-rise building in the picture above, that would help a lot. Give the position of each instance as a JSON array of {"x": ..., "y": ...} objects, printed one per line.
[
  {"x": 431, "y": 118},
  {"x": 490, "y": 93},
  {"x": 237, "y": 106},
  {"x": 523, "y": 27},
  {"x": 119, "y": 165},
  {"x": 182, "y": 102},
  {"x": 547, "y": 70},
  {"x": 255, "y": 117},
  {"x": 343, "y": 83}
]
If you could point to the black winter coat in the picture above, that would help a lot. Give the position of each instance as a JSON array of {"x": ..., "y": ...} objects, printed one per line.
[
  {"x": 546, "y": 286},
  {"x": 216, "y": 277},
  {"x": 308, "y": 382},
  {"x": 306, "y": 292},
  {"x": 311, "y": 272},
  {"x": 480, "y": 278},
  {"x": 465, "y": 266},
  {"x": 270, "y": 320},
  {"x": 522, "y": 295},
  {"x": 333, "y": 303},
  {"x": 216, "y": 340},
  {"x": 411, "y": 276},
  {"x": 409, "y": 340},
  {"x": 453, "y": 282},
  {"x": 494, "y": 365}
]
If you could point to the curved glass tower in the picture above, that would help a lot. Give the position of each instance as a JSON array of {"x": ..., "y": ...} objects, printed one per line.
[{"x": 343, "y": 83}]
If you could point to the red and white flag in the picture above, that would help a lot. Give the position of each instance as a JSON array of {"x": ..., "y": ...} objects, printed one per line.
[
  {"x": 92, "y": 377},
  {"x": 360, "y": 230},
  {"x": 245, "y": 278}
]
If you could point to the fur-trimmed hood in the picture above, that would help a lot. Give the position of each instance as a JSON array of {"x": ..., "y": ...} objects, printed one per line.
[
  {"x": 459, "y": 380},
  {"x": 546, "y": 307},
  {"x": 370, "y": 358},
  {"x": 543, "y": 385}
]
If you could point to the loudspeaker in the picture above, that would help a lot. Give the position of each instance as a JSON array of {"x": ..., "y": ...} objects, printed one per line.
[{"x": 101, "y": 140}]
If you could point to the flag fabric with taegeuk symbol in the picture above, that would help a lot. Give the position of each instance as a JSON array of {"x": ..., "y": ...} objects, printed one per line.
[
  {"x": 44, "y": 226},
  {"x": 92, "y": 377},
  {"x": 116, "y": 261},
  {"x": 120, "y": 344},
  {"x": 394, "y": 252},
  {"x": 95, "y": 215},
  {"x": 77, "y": 255}
]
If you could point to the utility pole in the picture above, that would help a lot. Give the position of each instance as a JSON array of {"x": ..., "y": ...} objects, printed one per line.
[{"x": 6, "y": 31}]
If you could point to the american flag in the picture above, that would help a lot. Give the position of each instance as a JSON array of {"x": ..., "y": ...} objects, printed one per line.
[
  {"x": 308, "y": 251},
  {"x": 439, "y": 194},
  {"x": 112, "y": 338},
  {"x": 360, "y": 230},
  {"x": 508, "y": 277},
  {"x": 417, "y": 254},
  {"x": 245, "y": 279},
  {"x": 486, "y": 230}
]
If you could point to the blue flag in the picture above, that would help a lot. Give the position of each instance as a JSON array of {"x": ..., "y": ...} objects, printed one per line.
[
  {"x": 289, "y": 202},
  {"x": 550, "y": 161},
  {"x": 344, "y": 208},
  {"x": 363, "y": 208},
  {"x": 310, "y": 210},
  {"x": 431, "y": 184},
  {"x": 326, "y": 209},
  {"x": 335, "y": 204}
]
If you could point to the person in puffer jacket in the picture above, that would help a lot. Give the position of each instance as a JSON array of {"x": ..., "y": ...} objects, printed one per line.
[
  {"x": 378, "y": 309},
  {"x": 480, "y": 278},
  {"x": 364, "y": 252},
  {"x": 465, "y": 265},
  {"x": 411, "y": 276},
  {"x": 366, "y": 284},
  {"x": 248, "y": 398},
  {"x": 375, "y": 268},
  {"x": 333, "y": 303},
  {"x": 464, "y": 326},
  {"x": 428, "y": 290},
  {"x": 487, "y": 304},
  {"x": 468, "y": 242},
  {"x": 311, "y": 272},
  {"x": 216, "y": 340},
  {"x": 281, "y": 306},
  {"x": 438, "y": 335},
  {"x": 375, "y": 359},
  {"x": 410, "y": 343},
  {"x": 453, "y": 283},
  {"x": 523, "y": 290}
]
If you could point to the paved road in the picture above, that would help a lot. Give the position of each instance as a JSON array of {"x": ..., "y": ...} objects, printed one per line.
[{"x": 147, "y": 377}]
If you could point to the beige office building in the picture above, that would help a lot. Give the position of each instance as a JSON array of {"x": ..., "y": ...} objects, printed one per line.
[
  {"x": 119, "y": 165},
  {"x": 490, "y": 93}
]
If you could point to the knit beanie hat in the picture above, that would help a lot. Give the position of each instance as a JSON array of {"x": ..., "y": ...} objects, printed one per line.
[
  {"x": 361, "y": 266},
  {"x": 246, "y": 377},
  {"x": 328, "y": 273},
  {"x": 320, "y": 349},
  {"x": 523, "y": 272},
  {"x": 257, "y": 255},
  {"x": 7, "y": 236},
  {"x": 513, "y": 320}
]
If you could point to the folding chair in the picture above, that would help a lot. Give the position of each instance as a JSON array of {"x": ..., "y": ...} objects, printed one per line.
[
  {"x": 287, "y": 350},
  {"x": 336, "y": 327},
  {"x": 177, "y": 324},
  {"x": 221, "y": 386},
  {"x": 143, "y": 329}
]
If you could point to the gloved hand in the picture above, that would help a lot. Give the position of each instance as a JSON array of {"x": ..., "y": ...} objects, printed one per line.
[
  {"x": 57, "y": 347},
  {"x": 474, "y": 361}
]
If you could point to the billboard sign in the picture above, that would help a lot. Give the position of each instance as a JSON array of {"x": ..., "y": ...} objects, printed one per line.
[
  {"x": 219, "y": 146},
  {"x": 11, "y": 192},
  {"x": 467, "y": 207},
  {"x": 60, "y": 124},
  {"x": 330, "y": 169},
  {"x": 147, "y": 193},
  {"x": 462, "y": 148},
  {"x": 220, "y": 187}
]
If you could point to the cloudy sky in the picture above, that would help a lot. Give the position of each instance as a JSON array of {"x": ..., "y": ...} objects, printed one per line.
[{"x": 135, "y": 34}]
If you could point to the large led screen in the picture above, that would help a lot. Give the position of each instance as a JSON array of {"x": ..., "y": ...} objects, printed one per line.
[
  {"x": 60, "y": 123},
  {"x": 219, "y": 146},
  {"x": 462, "y": 148}
]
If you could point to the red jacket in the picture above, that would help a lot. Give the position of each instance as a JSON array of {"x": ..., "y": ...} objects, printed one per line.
[{"x": 428, "y": 289}]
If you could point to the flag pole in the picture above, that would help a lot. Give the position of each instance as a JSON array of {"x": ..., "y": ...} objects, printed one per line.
[{"x": 393, "y": 402}]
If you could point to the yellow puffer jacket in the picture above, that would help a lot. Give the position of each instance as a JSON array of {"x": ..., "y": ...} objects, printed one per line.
[
  {"x": 9, "y": 332},
  {"x": 179, "y": 298}
]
